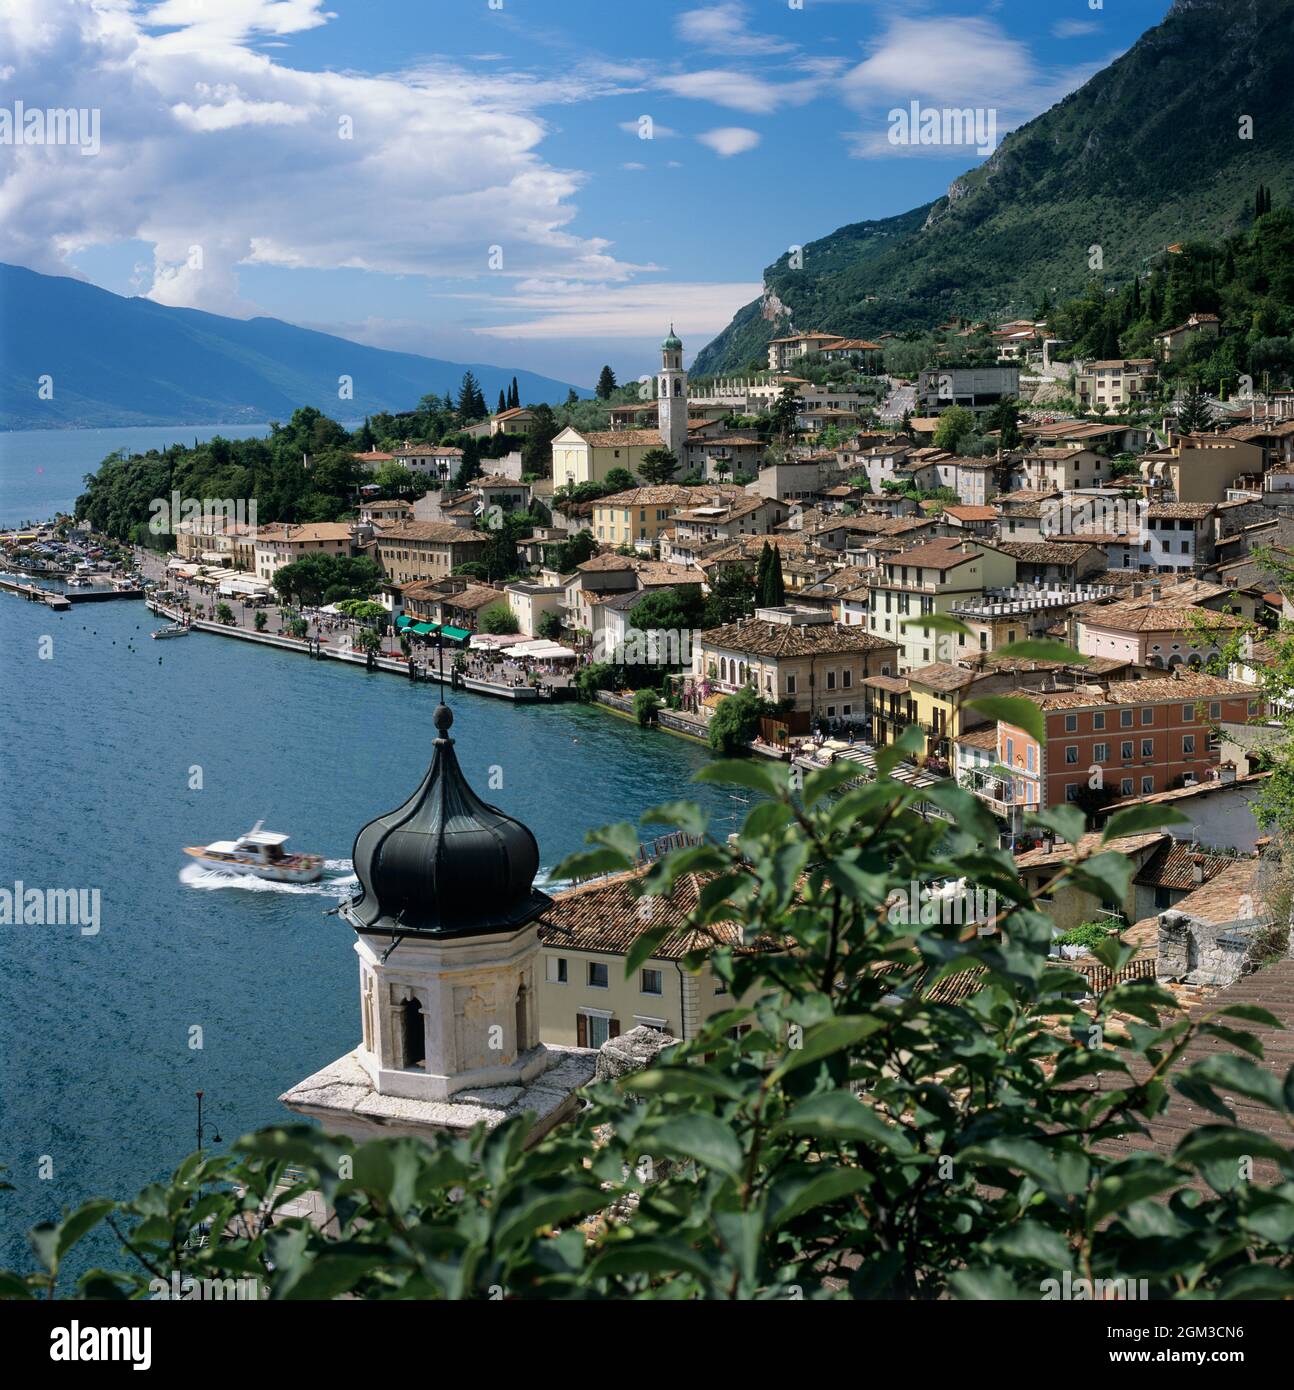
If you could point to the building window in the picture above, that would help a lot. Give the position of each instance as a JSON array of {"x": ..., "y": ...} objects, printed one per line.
[
  {"x": 1147, "y": 716},
  {"x": 1071, "y": 792},
  {"x": 1253, "y": 706},
  {"x": 1147, "y": 747},
  {"x": 1215, "y": 710},
  {"x": 1098, "y": 720},
  {"x": 1188, "y": 713},
  {"x": 653, "y": 982},
  {"x": 557, "y": 970},
  {"x": 598, "y": 976},
  {"x": 592, "y": 1030},
  {"x": 1147, "y": 785},
  {"x": 1125, "y": 787},
  {"x": 1125, "y": 749},
  {"x": 790, "y": 685},
  {"x": 1125, "y": 718},
  {"x": 1071, "y": 724},
  {"x": 1100, "y": 753},
  {"x": 1071, "y": 754}
]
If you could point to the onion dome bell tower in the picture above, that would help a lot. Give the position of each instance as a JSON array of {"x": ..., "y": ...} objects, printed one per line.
[
  {"x": 447, "y": 930},
  {"x": 445, "y": 864}
]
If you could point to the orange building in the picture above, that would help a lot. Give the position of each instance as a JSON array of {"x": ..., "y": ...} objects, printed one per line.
[{"x": 1136, "y": 738}]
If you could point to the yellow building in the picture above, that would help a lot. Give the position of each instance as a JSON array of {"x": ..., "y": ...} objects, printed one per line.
[
  {"x": 279, "y": 544},
  {"x": 584, "y": 997},
  {"x": 926, "y": 579},
  {"x": 640, "y": 514},
  {"x": 427, "y": 549},
  {"x": 935, "y": 699},
  {"x": 588, "y": 456}
]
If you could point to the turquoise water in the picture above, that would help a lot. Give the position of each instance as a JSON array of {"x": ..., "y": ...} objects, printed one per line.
[{"x": 98, "y": 744}]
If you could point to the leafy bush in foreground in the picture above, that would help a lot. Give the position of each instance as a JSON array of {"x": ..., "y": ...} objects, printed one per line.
[{"x": 859, "y": 1139}]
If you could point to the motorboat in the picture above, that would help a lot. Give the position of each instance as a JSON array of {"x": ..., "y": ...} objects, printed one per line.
[
  {"x": 175, "y": 630},
  {"x": 259, "y": 854}
]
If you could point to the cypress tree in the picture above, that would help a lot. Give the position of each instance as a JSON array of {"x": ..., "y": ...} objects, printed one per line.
[
  {"x": 503, "y": 402},
  {"x": 761, "y": 573},
  {"x": 606, "y": 383},
  {"x": 776, "y": 585},
  {"x": 514, "y": 396}
]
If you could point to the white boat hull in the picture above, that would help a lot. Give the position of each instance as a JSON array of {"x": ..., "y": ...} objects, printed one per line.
[{"x": 310, "y": 873}]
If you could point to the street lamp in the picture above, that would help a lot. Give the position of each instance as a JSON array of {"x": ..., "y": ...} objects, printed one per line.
[{"x": 215, "y": 1138}]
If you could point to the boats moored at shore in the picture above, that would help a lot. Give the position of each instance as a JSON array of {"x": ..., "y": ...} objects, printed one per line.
[
  {"x": 174, "y": 630},
  {"x": 259, "y": 854}
]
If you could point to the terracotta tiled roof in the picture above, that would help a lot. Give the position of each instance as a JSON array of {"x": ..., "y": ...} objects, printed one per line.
[
  {"x": 944, "y": 676},
  {"x": 761, "y": 638},
  {"x": 1163, "y": 617},
  {"x": 606, "y": 916},
  {"x": 1043, "y": 552},
  {"x": 1062, "y": 853},
  {"x": 1173, "y": 865},
  {"x": 667, "y": 494},
  {"x": 443, "y": 532}
]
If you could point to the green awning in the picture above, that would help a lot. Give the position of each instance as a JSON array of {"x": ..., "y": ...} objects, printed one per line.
[
  {"x": 424, "y": 629},
  {"x": 455, "y": 634},
  {"x": 403, "y": 621}
]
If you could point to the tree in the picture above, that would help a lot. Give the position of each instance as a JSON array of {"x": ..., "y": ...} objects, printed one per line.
[
  {"x": 785, "y": 412},
  {"x": 731, "y": 597},
  {"x": 1005, "y": 417},
  {"x": 572, "y": 397},
  {"x": 1194, "y": 413},
  {"x": 498, "y": 618},
  {"x": 618, "y": 480},
  {"x": 658, "y": 466},
  {"x": 368, "y": 639},
  {"x": 471, "y": 402},
  {"x": 537, "y": 451},
  {"x": 646, "y": 705},
  {"x": 606, "y": 384},
  {"x": 806, "y": 1130},
  {"x": 674, "y": 610},
  {"x": 514, "y": 396},
  {"x": 318, "y": 578},
  {"x": 503, "y": 402},
  {"x": 735, "y": 721},
  {"x": 549, "y": 627},
  {"x": 955, "y": 424},
  {"x": 722, "y": 467},
  {"x": 470, "y": 467},
  {"x": 770, "y": 585},
  {"x": 224, "y": 614},
  {"x": 395, "y": 479},
  {"x": 260, "y": 621}
]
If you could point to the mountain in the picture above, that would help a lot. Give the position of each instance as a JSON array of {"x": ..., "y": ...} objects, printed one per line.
[
  {"x": 1148, "y": 152},
  {"x": 118, "y": 361}
]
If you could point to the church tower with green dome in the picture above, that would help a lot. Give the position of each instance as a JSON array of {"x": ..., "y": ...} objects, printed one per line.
[{"x": 672, "y": 399}]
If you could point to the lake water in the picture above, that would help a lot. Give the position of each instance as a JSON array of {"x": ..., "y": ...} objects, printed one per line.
[
  {"x": 43, "y": 471},
  {"x": 97, "y": 747}
]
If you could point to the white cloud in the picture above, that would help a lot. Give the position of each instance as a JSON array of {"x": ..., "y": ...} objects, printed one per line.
[
  {"x": 951, "y": 62},
  {"x": 723, "y": 28},
  {"x": 552, "y": 309},
  {"x": 1073, "y": 28},
  {"x": 730, "y": 139},
  {"x": 210, "y": 143},
  {"x": 740, "y": 91}
]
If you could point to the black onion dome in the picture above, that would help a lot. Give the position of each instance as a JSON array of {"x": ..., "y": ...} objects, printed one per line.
[{"x": 445, "y": 863}]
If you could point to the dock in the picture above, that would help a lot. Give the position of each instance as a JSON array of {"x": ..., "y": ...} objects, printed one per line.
[{"x": 33, "y": 593}]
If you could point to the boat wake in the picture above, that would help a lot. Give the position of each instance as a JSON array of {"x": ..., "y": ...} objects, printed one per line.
[{"x": 338, "y": 882}]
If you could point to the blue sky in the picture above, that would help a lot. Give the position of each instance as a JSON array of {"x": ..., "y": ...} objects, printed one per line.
[{"x": 349, "y": 165}]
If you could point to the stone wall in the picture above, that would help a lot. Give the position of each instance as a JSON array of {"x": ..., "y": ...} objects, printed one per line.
[{"x": 1205, "y": 953}]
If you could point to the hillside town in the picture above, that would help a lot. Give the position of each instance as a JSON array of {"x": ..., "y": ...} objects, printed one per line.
[{"x": 749, "y": 563}]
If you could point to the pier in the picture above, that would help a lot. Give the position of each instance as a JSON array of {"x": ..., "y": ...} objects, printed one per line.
[{"x": 35, "y": 594}]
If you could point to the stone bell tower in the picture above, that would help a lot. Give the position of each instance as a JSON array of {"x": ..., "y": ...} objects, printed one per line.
[
  {"x": 671, "y": 405},
  {"x": 447, "y": 937}
]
